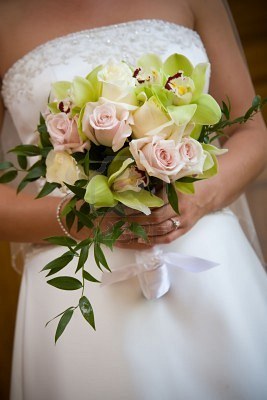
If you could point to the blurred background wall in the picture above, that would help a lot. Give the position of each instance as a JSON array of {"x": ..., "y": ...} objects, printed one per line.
[{"x": 251, "y": 21}]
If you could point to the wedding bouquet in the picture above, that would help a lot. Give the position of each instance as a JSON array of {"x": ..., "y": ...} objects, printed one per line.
[{"x": 116, "y": 138}]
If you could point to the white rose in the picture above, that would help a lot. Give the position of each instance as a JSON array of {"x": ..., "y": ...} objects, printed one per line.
[
  {"x": 149, "y": 119},
  {"x": 62, "y": 167},
  {"x": 118, "y": 82}
]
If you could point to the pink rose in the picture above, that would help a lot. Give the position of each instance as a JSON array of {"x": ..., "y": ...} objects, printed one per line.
[
  {"x": 64, "y": 133},
  {"x": 107, "y": 123},
  {"x": 158, "y": 157},
  {"x": 192, "y": 155}
]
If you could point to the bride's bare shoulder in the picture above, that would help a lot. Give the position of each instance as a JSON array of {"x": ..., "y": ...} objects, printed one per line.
[
  {"x": 15, "y": 26},
  {"x": 25, "y": 23}
]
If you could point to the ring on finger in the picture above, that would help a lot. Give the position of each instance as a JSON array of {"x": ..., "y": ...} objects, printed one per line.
[{"x": 175, "y": 223}]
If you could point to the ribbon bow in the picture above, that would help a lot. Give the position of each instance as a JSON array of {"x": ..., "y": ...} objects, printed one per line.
[{"x": 151, "y": 268}]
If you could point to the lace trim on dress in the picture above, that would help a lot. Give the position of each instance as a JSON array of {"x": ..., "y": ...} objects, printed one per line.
[{"x": 111, "y": 39}]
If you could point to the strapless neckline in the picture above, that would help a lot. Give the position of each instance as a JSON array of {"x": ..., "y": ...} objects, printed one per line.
[{"x": 90, "y": 31}]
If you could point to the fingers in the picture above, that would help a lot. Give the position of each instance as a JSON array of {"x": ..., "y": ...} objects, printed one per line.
[
  {"x": 139, "y": 244},
  {"x": 157, "y": 216},
  {"x": 133, "y": 245}
]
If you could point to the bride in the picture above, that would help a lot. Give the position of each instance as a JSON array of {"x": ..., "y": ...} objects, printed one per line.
[{"x": 207, "y": 337}]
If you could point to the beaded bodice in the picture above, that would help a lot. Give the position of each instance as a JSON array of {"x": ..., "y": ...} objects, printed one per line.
[{"x": 26, "y": 84}]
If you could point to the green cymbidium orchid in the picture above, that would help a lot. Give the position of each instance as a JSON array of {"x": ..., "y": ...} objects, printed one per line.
[
  {"x": 79, "y": 91},
  {"x": 182, "y": 96},
  {"x": 100, "y": 191}
]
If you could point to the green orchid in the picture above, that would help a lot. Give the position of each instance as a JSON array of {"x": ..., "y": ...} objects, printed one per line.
[
  {"x": 79, "y": 91},
  {"x": 182, "y": 96},
  {"x": 101, "y": 192}
]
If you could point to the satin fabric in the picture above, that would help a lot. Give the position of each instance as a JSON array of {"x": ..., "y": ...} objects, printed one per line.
[{"x": 205, "y": 339}]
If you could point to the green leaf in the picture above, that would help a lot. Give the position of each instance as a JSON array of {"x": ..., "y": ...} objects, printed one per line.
[
  {"x": 86, "y": 163},
  {"x": 52, "y": 319},
  {"x": 87, "y": 311},
  {"x": 22, "y": 160},
  {"x": 61, "y": 241},
  {"x": 63, "y": 322},
  {"x": 69, "y": 206},
  {"x": 47, "y": 188},
  {"x": 85, "y": 209},
  {"x": 138, "y": 230},
  {"x": 172, "y": 197},
  {"x": 22, "y": 185},
  {"x": 5, "y": 165},
  {"x": 36, "y": 172},
  {"x": 186, "y": 188},
  {"x": 81, "y": 183},
  {"x": 8, "y": 176},
  {"x": 59, "y": 262},
  {"x": 70, "y": 218},
  {"x": 256, "y": 102},
  {"x": 84, "y": 219},
  {"x": 26, "y": 150},
  {"x": 45, "y": 137},
  {"x": 117, "y": 231},
  {"x": 80, "y": 192},
  {"x": 225, "y": 110},
  {"x": 83, "y": 243},
  {"x": 65, "y": 283},
  {"x": 83, "y": 257},
  {"x": 89, "y": 277},
  {"x": 100, "y": 257}
]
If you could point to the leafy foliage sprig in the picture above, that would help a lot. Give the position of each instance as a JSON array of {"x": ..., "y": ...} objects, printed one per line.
[{"x": 87, "y": 216}]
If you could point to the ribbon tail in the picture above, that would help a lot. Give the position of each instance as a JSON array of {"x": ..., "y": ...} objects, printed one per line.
[
  {"x": 189, "y": 263},
  {"x": 119, "y": 275}
]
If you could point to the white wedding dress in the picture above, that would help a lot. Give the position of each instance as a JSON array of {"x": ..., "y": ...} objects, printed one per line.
[{"x": 206, "y": 339}]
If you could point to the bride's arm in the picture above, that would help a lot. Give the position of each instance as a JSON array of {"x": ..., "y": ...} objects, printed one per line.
[
  {"x": 22, "y": 217},
  {"x": 26, "y": 219},
  {"x": 247, "y": 143},
  {"x": 230, "y": 77}
]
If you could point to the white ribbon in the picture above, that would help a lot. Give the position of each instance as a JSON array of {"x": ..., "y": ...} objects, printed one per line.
[{"x": 151, "y": 268}]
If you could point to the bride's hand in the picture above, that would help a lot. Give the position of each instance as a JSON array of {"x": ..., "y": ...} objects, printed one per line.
[{"x": 163, "y": 225}]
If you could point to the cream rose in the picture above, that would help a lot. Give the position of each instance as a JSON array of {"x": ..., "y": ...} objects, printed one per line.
[
  {"x": 118, "y": 82},
  {"x": 149, "y": 119},
  {"x": 192, "y": 155},
  {"x": 158, "y": 157},
  {"x": 62, "y": 167},
  {"x": 131, "y": 179},
  {"x": 64, "y": 133},
  {"x": 107, "y": 123}
]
